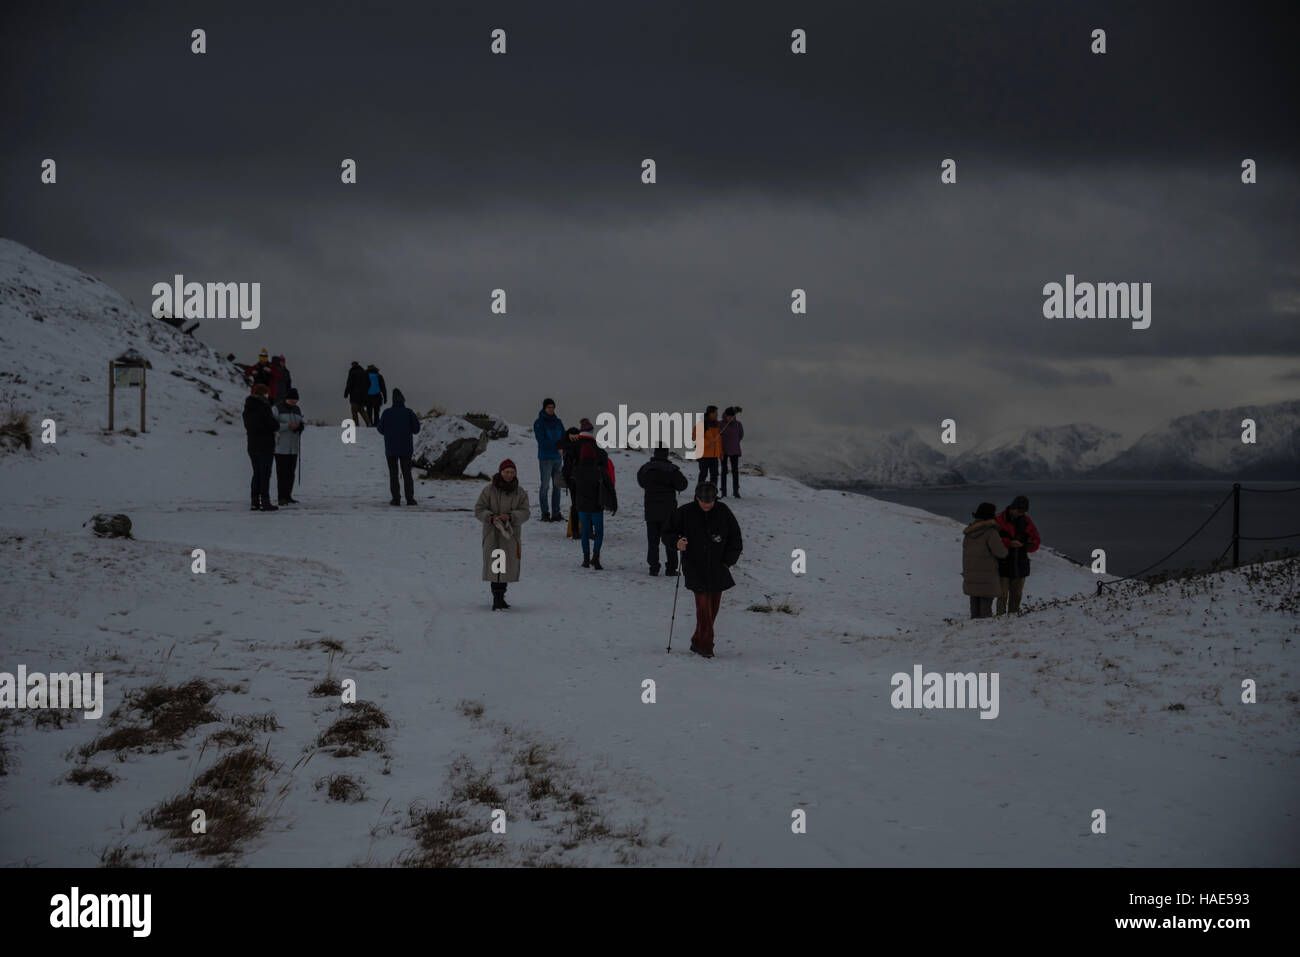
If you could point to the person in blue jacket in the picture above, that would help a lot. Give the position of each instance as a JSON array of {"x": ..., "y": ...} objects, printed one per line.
[
  {"x": 397, "y": 425},
  {"x": 548, "y": 430}
]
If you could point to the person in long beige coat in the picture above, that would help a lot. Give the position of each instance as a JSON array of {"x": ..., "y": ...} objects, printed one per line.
[
  {"x": 981, "y": 547},
  {"x": 502, "y": 508}
]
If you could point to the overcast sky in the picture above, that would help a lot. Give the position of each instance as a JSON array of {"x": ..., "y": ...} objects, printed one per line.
[{"x": 775, "y": 171}]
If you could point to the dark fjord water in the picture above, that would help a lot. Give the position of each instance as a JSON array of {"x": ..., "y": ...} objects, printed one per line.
[{"x": 1137, "y": 523}]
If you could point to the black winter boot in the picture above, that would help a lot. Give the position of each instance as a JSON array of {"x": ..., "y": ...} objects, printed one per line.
[
  {"x": 595, "y": 560},
  {"x": 502, "y": 595},
  {"x": 497, "y": 601},
  {"x": 586, "y": 561}
]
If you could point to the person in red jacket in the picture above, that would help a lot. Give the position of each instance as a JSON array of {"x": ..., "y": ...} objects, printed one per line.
[{"x": 1020, "y": 536}]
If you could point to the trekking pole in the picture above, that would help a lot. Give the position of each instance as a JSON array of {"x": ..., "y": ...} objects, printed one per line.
[{"x": 674, "y": 618}]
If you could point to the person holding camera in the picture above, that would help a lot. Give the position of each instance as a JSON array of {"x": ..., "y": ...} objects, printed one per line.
[{"x": 729, "y": 437}]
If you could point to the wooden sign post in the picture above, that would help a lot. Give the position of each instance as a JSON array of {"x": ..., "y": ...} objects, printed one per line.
[{"x": 128, "y": 371}]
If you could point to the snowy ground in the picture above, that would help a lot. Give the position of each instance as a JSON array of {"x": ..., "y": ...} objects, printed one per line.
[{"x": 794, "y": 713}]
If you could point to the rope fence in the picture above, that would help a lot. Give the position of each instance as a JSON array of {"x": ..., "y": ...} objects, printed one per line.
[{"x": 1234, "y": 543}]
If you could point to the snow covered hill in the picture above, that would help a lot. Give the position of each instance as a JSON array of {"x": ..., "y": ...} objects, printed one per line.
[
  {"x": 59, "y": 327},
  {"x": 539, "y": 710},
  {"x": 1055, "y": 452},
  {"x": 223, "y": 686},
  {"x": 1208, "y": 445}
]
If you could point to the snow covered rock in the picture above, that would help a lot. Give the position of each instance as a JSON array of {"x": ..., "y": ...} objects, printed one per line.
[{"x": 446, "y": 445}]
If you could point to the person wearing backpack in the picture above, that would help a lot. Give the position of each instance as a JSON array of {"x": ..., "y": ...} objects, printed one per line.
[
  {"x": 662, "y": 480},
  {"x": 593, "y": 495},
  {"x": 376, "y": 393}
]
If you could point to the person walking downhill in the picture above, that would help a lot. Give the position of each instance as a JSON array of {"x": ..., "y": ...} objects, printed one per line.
[
  {"x": 288, "y": 446},
  {"x": 593, "y": 495},
  {"x": 729, "y": 437},
  {"x": 260, "y": 425},
  {"x": 376, "y": 393},
  {"x": 397, "y": 425},
  {"x": 662, "y": 480},
  {"x": 355, "y": 393},
  {"x": 549, "y": 430},
  {"x": 708, "y": 537},
  {"x": 712, "y": 451},
  {"x": 502, "y": 508},
  {"x": 1021, "y": 537},
  {"x": 981, "y": 551}
]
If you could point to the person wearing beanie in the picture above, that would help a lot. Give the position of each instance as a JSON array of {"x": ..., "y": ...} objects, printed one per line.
[
  {"x": 712, "y": 445},
  {"x": 593, "y": 495},
  {"x": 662, "y": 480},
  {"x": 1020, "y": 536},
  {"x": 981, "y": 551},
  {"x": 355, "y": 393},
  {"x": 376, "y": 393},
  {"x": 549, "y": 430},
  {"x": 260, "y": 425},
  {"x": 288, "y": 445},
  {"x": 729, "y": 437},
  {"x": 397, "y": 425},
  {"x": 707, "y": 535},
  {"x": 502, "y": 509}
]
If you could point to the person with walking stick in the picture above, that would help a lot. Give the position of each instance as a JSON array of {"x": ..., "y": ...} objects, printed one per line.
[{"x": 707, "y": 535}]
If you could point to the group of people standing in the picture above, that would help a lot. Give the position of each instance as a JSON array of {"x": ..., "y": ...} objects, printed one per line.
[
  {"x": 701, "y": 539},
  {"x": 995, "y": 556},
  {"x": 272, "y": 372}
]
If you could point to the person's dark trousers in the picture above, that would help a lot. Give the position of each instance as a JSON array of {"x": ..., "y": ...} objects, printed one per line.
[
  {"x": 407, "y": 482},
  {"x": 373, "y": 406},
  {"x": 734, "y": 462},
  {"x": 654, "y": 532},
  {"x": 981, "y": 607},
  {"x": 360, "y": 414},
  {"x": 707, "y": 604},
  {"x": 261, "y": 485},
  {"x": 285, "y": 466},
  {"x": 709, "y": 467}
]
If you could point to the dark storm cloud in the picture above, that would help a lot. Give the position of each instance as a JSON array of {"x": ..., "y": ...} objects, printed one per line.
[{"x": 775, "y": 172}]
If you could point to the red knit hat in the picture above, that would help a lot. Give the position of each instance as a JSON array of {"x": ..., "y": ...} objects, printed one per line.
[{"x": 507, "y": 464}]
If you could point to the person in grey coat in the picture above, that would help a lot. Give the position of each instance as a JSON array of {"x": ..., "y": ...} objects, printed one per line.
[
  {"x": 502, "y": 508},
  {"x": 981, "y": 549},
  {"x": 288, "y": 445}
]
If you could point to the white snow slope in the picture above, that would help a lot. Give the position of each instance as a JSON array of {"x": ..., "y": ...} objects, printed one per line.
[
  {"x": 540, "y": 710},
  {"x": 794, "y": 713}
]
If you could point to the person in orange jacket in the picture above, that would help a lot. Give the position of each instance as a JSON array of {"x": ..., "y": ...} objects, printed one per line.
[{"x": 712, "y": 453}]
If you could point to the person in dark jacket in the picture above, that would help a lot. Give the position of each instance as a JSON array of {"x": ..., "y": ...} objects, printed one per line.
[
  {"x": 1020, "y": 536},
  {"x": 355, "y": 393},
  {"x": 662, "y": 480},
  {"x": 593, "y": 495},
  {"x": 568, "y": 449},
  {"x": 281, "y": 381},
  {"x": 548, "y": 430},
  {"x": 261, "y": 426},
  {"x": 708, "y": 537},
  {"x": 730, "y": 434},
  {"x": 376, "y": 393},
  {"x": 288, "y": 446},
  {"x": 397, "y": 425}
]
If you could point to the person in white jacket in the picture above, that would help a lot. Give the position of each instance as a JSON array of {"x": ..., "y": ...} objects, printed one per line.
[{"x": 288, "y": 446}]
